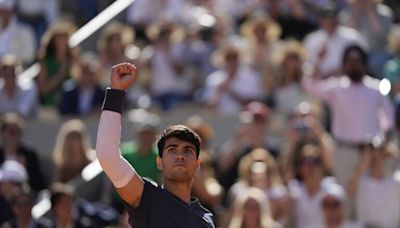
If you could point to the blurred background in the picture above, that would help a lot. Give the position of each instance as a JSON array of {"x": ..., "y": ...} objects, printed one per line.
[{"x": 297, "y": 103}]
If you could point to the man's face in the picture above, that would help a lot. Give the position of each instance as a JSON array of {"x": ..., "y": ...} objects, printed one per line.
[
  {"x": 328, "y": 23},
  {"x": 23, "y": 206},
  {"x": 354, "y": 66},
  {"x": 333, "y": 211},
  {"x": 179, "y": 160}
]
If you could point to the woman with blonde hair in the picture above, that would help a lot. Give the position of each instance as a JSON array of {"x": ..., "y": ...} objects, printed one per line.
[
  {"x": 252, "y": 210},
  {"x": 259, "y": 170},
  {"x": 115, "y": 45},
  {"x": 73, "y": 150}
]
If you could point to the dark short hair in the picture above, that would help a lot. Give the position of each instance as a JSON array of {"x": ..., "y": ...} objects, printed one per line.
[
  {"x": 355, "y": 48},
  {"x": 180, "y": 132}
]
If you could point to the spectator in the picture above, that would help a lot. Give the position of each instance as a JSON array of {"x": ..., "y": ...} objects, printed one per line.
[
  {"x": 67, "y": 210},
  {"x": 112, "y": 46},
  {"x": 202, "y": 40},
  {"x": 62, "y": 198},
  {"x": 22, "y": 203},
  {"x": 346, "y": 98},
  {"x": 374, "y": 183},
  {"x": 12, "y": 178},
  {"x": 307, "y": 190},
  {"x": 289, "y": 61},
  {"x": 303, "y": 128},
  {"x": 15, "y": 96},
  {"x": 168, "y": 82},
  {"x": 261, "y": 34},
  {"x": 56, "y": 59},
  {"x": 13, "y": 148},
  {"x": 258, "y": 169},
  {"x": 251, "y": 209},
  {"x": 230, "y": 88},
  {"x": 141, "y": 152},
  {"x": 15, "y": 38},
  {"x": 83, "y": 95},
  {"x": 374, "y": 21},
  {"x": 325, "y": 47},
  {"x": 334, "y": 208},
  {"x": 250, "y": 134},
  {"x": 72, "y": 152}
]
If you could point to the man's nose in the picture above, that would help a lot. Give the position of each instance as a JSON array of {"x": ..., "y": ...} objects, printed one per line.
[{"x": 180, "y": 156}]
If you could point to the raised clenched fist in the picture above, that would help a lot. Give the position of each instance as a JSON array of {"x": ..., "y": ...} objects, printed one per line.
[{"x": 123, "y": 75}]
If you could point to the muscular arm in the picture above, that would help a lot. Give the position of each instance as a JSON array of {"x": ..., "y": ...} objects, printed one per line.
[{"x": 123, "y": 176}]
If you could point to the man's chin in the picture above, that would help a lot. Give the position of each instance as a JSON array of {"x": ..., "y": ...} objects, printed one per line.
[{"x": 180, "y": 175}]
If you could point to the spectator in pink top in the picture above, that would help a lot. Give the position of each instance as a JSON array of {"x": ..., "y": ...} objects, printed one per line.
[{"x": 359, "y": 110}]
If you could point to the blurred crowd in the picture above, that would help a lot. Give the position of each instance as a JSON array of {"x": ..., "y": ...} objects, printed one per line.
[{"x": 314, "y": 85}]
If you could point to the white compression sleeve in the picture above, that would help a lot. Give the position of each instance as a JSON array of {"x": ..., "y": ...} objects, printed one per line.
[{"x": 114, "y": 165}]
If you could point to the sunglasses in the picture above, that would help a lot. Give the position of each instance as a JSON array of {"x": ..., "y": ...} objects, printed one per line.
[{"x": 310, "y": 161}]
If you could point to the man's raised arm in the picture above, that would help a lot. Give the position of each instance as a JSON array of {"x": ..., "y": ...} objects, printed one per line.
[{"x": 124, "y": 178}]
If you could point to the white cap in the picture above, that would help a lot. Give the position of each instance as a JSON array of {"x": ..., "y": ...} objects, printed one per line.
[
  {"x": 13, "y": 171},
  {"x": 334, "y": 190},
  {"x": 7, "y": 4}
]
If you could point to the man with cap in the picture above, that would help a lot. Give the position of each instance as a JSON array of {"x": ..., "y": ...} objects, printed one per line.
[
  {"x": 170, "y": 205},
  {"x": 333, "y": 206},
  {"x": 12, "y": 176}
]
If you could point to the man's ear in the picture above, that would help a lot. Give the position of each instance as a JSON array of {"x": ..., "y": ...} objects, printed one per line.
[
  {"x": 159, "y": 163},
  {"x": 198, "y": 164}
]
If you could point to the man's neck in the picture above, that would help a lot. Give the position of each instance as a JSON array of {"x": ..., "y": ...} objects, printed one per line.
[{"x": 182, "y": 190}]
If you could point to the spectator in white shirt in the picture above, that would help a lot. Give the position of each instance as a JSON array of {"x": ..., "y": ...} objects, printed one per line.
[
  {"x": 233, "y": 85},
  {"x": 327, "y": 44},
  {"x": 376, "y": 188},
  {"x": 168, "y": 81},
  {"x": 359, "y": 110},
  {"x": 15, "y": 38},
  {"x": 15, "y": 96},
  {"x": 308, "y": 189}
]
